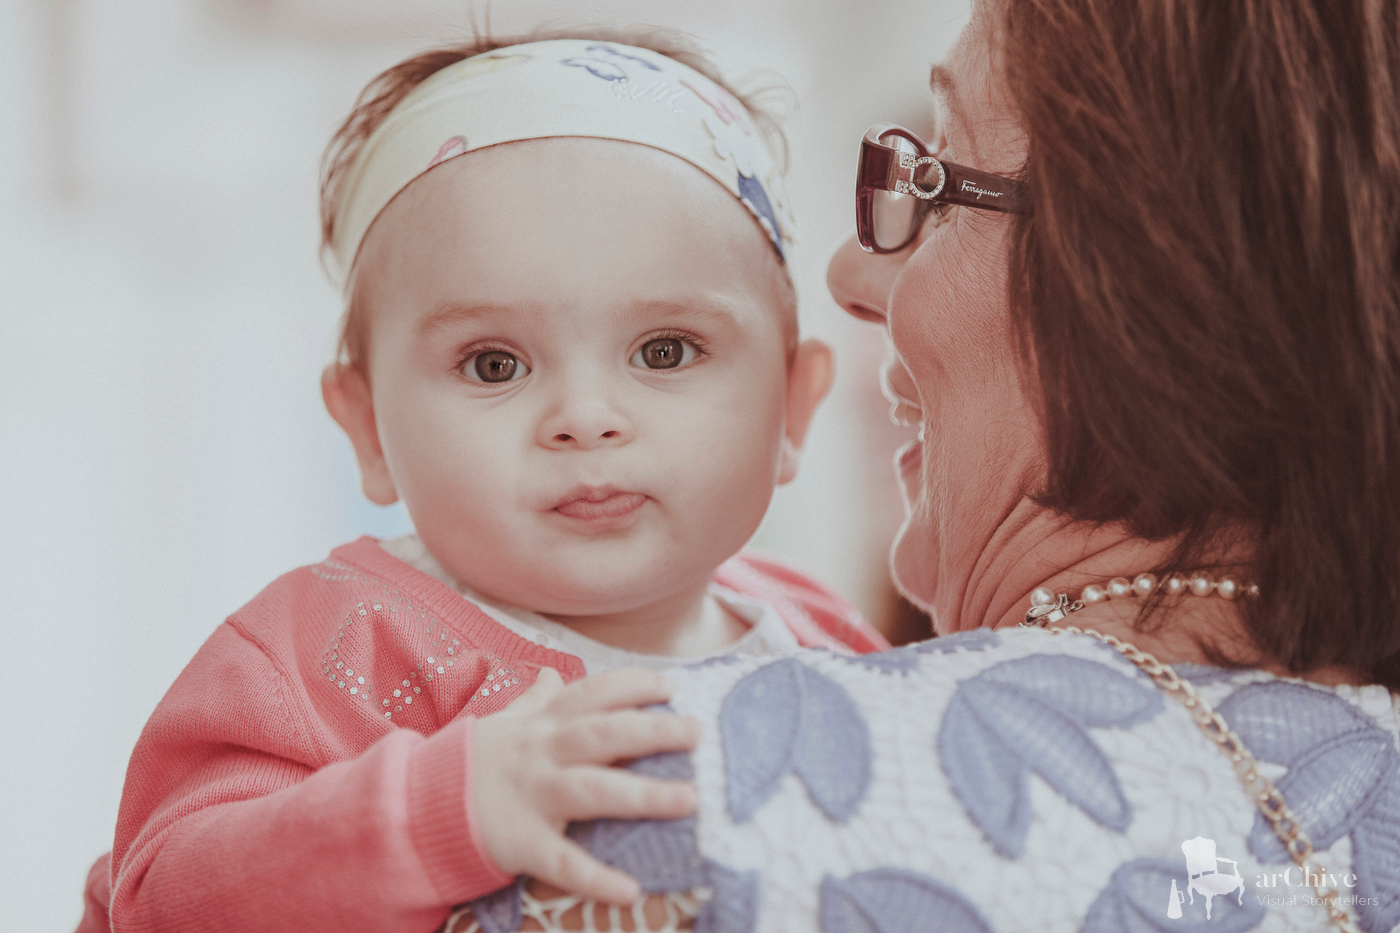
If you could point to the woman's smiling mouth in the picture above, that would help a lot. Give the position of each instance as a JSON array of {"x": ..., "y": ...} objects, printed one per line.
[
  {"x": 898, "y": 388},
  {"x": 909, "y": 456}
]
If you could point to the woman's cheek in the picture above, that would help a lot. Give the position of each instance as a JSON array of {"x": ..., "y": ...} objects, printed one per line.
[
  {"x": 950, "y": 316},
  {"x": 921, "y": 298}
]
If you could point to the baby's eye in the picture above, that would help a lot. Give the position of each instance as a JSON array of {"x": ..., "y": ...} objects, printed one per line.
[
  {"x": 664, "y": 353},
  {"x": 494, "y": 366}
]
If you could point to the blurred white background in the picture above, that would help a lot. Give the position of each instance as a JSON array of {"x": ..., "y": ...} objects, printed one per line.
[{"x": 163, "y": 322}]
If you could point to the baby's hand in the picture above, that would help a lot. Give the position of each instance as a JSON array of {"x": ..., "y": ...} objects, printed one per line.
[{"x": 544, "y": 761}]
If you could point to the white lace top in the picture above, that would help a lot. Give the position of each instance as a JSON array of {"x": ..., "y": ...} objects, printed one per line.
[{"x": 1012, "y": 781}]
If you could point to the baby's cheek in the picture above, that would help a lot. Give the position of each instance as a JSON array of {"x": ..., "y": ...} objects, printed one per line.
[
  {"x": 737, "y": 432},
  {"x": 735, "y": 470}
]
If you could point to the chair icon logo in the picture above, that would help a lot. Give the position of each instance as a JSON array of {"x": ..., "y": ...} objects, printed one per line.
[{"x": 1203, "y": 877}]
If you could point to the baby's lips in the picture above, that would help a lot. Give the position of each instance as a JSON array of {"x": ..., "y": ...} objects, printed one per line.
[{"x": 614, "y": 505}]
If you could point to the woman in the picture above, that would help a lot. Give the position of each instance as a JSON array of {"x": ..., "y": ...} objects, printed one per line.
[{"x": 1160, "y": 376}]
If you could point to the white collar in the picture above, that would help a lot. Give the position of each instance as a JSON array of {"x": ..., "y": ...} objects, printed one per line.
[{"x": 767, "y": 634}]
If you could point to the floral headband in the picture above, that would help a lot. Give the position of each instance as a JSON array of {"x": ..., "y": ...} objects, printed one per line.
[{"x": 563, "y": 87}]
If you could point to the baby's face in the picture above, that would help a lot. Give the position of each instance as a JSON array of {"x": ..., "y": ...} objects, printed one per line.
[{"x": 578, "y": 367}]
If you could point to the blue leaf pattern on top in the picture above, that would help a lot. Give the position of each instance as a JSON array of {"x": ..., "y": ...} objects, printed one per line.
[
  {"x": 1052, "y": 744},
  {"x": 733, "y": 903},
  {"x": 1136, "y": 897},
  {"x": 1087, "y": 692},
  {"x": 833, "y": 754},
  {"x": 1343, "y": 778},
  {"x": 1375, "y": 857},
  {"x": 894, "y": 900},
  {"x": 500, "y": 911},
  {"x": 987, "y": 775},
  {"x": 759, "y": 724},
  {"x": 1032, "y": 715},
  {"x": 670, "y": 766},
  {"x": 1282, "y": 721},
  {"x": 663, "y": 855},
  {"x": 1330, "y": 790},
  {"x": 784, "y": 717}
]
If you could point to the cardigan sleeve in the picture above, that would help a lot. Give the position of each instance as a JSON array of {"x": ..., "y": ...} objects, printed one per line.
[{"x": 233, "y": 818}]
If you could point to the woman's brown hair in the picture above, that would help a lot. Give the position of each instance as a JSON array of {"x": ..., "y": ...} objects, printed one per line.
[
  {"x": 1207, "y": 290},
  {"x": 385, "y": 91}
]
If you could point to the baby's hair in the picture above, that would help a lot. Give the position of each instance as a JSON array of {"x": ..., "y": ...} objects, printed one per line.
[{"x": 385, "y": 91}]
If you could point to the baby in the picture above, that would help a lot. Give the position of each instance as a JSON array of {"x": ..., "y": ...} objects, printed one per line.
[{"x": 571, "y": 350}]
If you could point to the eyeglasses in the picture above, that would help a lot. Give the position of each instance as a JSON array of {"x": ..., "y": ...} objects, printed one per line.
[{"x": 898, "y": 183}]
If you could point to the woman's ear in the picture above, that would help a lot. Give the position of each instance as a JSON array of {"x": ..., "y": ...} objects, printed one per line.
[
  {"x": 348, "y": 399},
  {"x": 810, "y": 376}
]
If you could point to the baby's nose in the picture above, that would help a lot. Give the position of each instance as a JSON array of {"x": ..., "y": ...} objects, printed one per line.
[{"x": 584, "y": 420}]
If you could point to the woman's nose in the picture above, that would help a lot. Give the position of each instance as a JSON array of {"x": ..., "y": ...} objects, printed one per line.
[
  {"x": 583, "y": 417},
  {"x": 860, "y": 281}
]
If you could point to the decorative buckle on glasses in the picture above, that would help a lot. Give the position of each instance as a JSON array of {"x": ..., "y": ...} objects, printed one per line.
[{"x": 908, "y": 163}]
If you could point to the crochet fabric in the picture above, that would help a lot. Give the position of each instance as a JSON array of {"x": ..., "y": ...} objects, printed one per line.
[{"x": 995, "y": 782}]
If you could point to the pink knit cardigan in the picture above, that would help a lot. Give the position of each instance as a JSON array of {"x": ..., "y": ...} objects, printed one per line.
[{"x": 310, "y": 768}]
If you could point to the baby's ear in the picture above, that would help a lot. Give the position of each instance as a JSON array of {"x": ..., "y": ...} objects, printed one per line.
[
  {"x": 348, "y": 399},
  {"x": 810, "y": 375}
]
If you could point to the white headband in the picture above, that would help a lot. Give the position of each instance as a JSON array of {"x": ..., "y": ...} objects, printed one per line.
[{"x": 562, "y": 87}]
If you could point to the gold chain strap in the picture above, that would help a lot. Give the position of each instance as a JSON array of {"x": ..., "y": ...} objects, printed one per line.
[{"x": 1266, "y": 796}]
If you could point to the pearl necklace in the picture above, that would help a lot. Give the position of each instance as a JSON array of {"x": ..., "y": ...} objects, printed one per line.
[{"x": 1046, "y": 607}]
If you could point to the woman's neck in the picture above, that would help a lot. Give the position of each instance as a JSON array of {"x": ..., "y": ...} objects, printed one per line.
[
  {"x": 1035, "y": 548},
  {"x": 1032, "y": 546}
]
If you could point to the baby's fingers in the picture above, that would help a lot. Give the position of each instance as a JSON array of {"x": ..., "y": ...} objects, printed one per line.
[
  {"x": 566, "y": 865},
  {"x": 602, "y": 738},
  {"x": 548, "y": 685},
  {"x": 615, "y": 689},
  {"x": 590, "y": 793}
]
